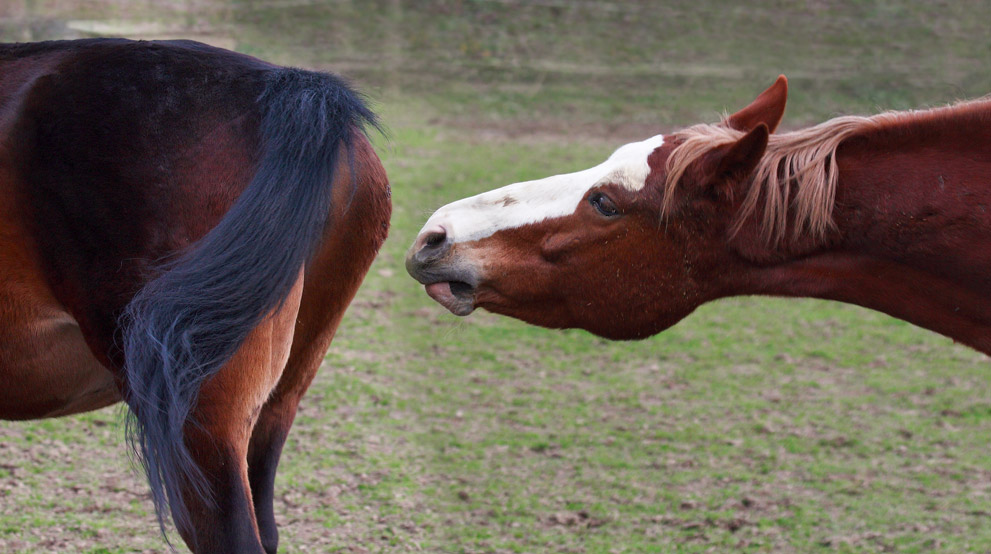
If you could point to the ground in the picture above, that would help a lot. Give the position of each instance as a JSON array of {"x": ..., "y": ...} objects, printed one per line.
[{"x": 755, "y": 425}]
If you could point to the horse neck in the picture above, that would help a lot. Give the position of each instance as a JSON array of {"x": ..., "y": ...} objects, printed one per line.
[{"x": 912, "y": 235}]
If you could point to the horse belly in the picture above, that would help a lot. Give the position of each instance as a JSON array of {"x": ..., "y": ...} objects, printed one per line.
[
  {"x": 48, "y": 370},
  {"x": 46, "y": 367}
]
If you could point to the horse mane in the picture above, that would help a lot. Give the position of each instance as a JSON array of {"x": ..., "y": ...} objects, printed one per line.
[{"x": 803, "y": 161}]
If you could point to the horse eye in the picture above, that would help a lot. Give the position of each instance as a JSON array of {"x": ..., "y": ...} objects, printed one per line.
[{"x": 603, "y": 204}]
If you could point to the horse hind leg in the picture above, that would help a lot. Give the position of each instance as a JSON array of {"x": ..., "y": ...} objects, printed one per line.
[
  {"x": 267, "y": 440},
  {"x": 319, "y": 316},
  {"x": 226, "y": 413}
]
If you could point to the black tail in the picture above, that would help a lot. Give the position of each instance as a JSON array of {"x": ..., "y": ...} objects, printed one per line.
[{"x": 184, "y": 325}]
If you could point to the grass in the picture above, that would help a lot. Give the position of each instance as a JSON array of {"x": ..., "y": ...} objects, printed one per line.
[{"x": 755, "y": 425}]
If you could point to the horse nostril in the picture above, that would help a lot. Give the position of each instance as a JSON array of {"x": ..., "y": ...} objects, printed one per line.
[
  {"x": 434, "y": 238},
  {"x": 431, "y": 244}
]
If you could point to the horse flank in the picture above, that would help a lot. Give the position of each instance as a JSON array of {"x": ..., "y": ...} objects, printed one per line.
[{"x": 804, "y": 160}]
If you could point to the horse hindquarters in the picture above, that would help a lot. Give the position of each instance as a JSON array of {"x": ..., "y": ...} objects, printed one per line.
[
  {"x": 245, "y": 411},
  {"x": 233, "y": 170},
  {"x": 201, "y": 356}
]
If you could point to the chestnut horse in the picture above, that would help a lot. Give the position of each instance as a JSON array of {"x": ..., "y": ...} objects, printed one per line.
[
  {"x": 891, "y": 212},
  {"x": 181, "y": 227}
]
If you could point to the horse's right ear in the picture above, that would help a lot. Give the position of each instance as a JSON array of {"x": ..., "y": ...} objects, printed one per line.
[
  {"x": 725, "y": 168},
  {"x": 740, "y": 159},
  {"x": 768, "y": 108}
]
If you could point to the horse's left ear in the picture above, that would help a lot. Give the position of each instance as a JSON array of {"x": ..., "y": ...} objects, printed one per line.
[{"x": 768, "y": 108}]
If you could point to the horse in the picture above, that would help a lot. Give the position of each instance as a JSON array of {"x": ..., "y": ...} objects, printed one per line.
[
  {"x": 890, "y": 212},
  {"x": 181, "y": 228}
]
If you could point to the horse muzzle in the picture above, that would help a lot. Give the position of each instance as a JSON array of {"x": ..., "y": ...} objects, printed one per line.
[{"x": 451, "y": 282}]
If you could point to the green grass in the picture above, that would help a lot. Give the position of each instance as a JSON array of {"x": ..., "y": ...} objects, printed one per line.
[{"x": 755, "y": 425}]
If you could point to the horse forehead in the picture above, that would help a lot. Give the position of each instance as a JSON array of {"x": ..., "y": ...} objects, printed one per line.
[
  {"x": 630, "y": 162},
  {"x": 627, "y": 167}
]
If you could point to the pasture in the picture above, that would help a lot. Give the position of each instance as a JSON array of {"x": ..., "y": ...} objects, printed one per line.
[{"x": 756, "y": 425}]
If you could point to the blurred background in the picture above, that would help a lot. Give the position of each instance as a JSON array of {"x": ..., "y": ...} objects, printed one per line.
[
  {"x": 586, "y": 61},
  {"x": 756, "y": 425}
]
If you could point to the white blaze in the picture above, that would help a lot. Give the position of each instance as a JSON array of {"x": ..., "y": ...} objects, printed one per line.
[{"x": 529, "y": 202}]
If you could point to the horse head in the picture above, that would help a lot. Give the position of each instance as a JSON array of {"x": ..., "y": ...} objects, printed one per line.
[{"x": 614, "y": 249}]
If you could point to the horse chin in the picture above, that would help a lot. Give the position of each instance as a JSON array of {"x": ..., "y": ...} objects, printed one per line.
[
  {"x": 621, "y": 333},
  {"x": 456, "y": 296},
  {"x": 632, "y": 327}
]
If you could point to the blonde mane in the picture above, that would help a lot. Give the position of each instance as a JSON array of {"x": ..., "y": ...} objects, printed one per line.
[{"x": 803, "y": 160}]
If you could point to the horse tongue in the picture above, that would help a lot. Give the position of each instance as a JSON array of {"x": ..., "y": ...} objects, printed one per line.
[
  {"x": 441, "y": 293},
  {"x": 456, "y": 296}
]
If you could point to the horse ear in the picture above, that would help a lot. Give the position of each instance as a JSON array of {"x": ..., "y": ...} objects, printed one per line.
[
  {"x": 732, "y": 164},
  {"x": 768, "y": 108}
]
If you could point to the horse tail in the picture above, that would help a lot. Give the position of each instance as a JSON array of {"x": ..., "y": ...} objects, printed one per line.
[{"x": 188, "y": 321}]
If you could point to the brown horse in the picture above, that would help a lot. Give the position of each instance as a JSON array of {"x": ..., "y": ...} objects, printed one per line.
[
  {"x": 181, "y": 227},
  {"x": 891, "y": 212}
]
